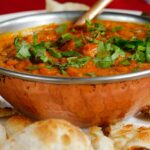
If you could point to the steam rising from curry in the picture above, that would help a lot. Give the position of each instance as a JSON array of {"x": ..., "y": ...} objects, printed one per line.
[{"x": 98, "y": 48}]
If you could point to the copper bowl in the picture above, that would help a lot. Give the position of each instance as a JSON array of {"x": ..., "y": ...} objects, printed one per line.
[{"x": 82, "y": 101}]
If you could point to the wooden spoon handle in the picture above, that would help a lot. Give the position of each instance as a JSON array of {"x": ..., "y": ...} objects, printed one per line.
[{"x": 96, "y": 9}]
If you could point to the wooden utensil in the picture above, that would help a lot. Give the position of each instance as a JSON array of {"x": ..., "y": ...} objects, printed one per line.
[{"x": 96, "y": 9}]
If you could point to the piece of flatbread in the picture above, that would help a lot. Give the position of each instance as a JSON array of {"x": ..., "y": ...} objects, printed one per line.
[
  {"x": 52, "y": 5},
  {"x": 140, "y": 140},
  {"x": 121, "y": 134},
  {"x": 99, "y": 140},
  {"x": 51, "y": 134},
  {"x": 19, "y": 132},
  {"x": 130, "y": 137},
  {"x": 2, "y": 134},
  {"x": 16, "y": 124}
]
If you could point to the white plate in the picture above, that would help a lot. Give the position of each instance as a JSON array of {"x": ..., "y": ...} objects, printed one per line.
[{"x": 13, "y": 15}]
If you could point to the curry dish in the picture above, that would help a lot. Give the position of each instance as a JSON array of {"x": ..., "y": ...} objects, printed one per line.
[{"x": 99, "y": 48}]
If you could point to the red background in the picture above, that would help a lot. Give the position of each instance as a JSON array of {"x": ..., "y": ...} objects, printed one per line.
[{"x": 9, "y": 6}]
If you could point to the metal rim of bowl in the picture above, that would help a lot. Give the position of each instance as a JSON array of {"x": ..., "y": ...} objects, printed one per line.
[{"x": 74, "y": 80}]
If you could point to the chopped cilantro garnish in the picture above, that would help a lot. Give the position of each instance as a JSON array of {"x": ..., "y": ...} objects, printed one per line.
[
  {"x": 103, "y": 49},
  {"x": 101, "y": 46},
  {"x": 148, "y": 51},
  {"x": 70, "y": 53},
  {"x": 22, "y": 49},
  {"x": 44, "y": 58},
  {"x": 49, "y": 44},
  {"x": 33, "y": 67},
  {"x": 109, "y": 48},
  {"x": 73, "y": 30},
  {"x": 105, "y": 62},
  {"x": 35, "y": 39},
  {"x": 63, "y": 72},
  {"x": 139, "y": 56},
  {"x": 95, "y": 27},
  {"x": 141, "y": 47},
  {"x": 90, "y": 74},
  {"x": 55, "y": 53},
  {"x": 39, "y": 51},
  {"x": 77, "y": 62},
  {"x": 125, "y": 62},
  {"x": 49, "y": 66},
  {"x": 61, "y": 28},
  {"x": 148, "y": 25},
  {"x": 65, "y": 38},
  {"x": 116, "y": 29},
  {"x": 78, "y": 42},
  {"x": 117, "y": 52},
  {"x": 136, "y": 69}
]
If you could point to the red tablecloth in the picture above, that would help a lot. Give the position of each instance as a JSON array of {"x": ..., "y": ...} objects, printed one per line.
[{"x": 10, "y": 6}]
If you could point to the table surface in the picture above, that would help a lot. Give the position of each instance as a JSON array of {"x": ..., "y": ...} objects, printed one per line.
[{"x": 11, "y": 6}]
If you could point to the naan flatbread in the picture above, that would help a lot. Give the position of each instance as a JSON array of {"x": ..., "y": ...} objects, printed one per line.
[
  {"x": 99, "y": 140},
  {"x": 52, "y": 5},
  {"x": 130, "y": 137},
  {"x": 16, "y": 124},
  {"x": 51, "y": 134}
]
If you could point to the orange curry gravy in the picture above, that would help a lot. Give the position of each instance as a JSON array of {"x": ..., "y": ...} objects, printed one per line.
[{"x": 99, "y": 48}]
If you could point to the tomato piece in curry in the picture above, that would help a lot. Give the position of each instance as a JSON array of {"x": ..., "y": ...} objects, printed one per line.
[{"x": 98, "y": 48}]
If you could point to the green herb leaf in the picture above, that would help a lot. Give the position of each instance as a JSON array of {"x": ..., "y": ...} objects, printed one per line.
[
  {"x": 66, "y": 37},
  {"x": 33, "y": 67},
  {"x": 103, "y": 62},
  {"x": 78, "y": 42},
  {"x": 61, "y": 67},
  {"x": 22, "y": 49},
  {"x": 148, "y": 25},
  {"x": 90, "y": 74},
  {"x": 49, "y": 66},
  {"x": 95, "y": 28},
  {"x": 104, "y": 46},
  {"x": 148, "y": 36},
  {"x": 73, "y": 30},
  {"x": 136, "y": 69},
  {"x": 35, "y": 39},
  {"x": 39, "y": 52},
  {"x": 63, "y": 72},
  {"x": 130, "y": 46},
  {"x": 49, "y": 44},
  {"x": 17, "y": 43},
  {"x": 141, "y": 48},
  {"x": 78, "y": 62},
  {"x": 102, "y": 51},
  {"x": 118, "y": 41},
  {"x": 117, "y": 28},
  {"x": 118, "y": 52},
  {"x": 125, "y": 62},
  {"x": 101, "y": 46},
  {"x": 44, "y": 58},
  {"x": 55, "y": 53},
  {"x": 61, "y": 28},
  {"x": 70, "y": 54},
  {"x": 139, "y": 56},
  {"x": 108, "y": 46},
  {"x": 83, "y": 61},
  {"x": 134, "y": 44},
  {"x": 148, "y": 51},
  {"x": 88, "y": 22}
]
